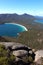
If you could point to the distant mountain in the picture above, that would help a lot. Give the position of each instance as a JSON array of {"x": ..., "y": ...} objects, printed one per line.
[
  {"x": 33, "y": 37},
  {"x": 39, "y": 17},
  {"x": 15, "y": 18},
  {"x": 24, "y": 19}
]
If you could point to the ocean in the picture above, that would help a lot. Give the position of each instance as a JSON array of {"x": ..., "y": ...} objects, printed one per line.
[
  {"x": 11, "y": 29},
  {"x": 39, "y": 21}
]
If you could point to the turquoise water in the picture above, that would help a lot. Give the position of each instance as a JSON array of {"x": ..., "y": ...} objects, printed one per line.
[
  {"x": 39, "y": 21},
  {"x": 11, "y": 29}
]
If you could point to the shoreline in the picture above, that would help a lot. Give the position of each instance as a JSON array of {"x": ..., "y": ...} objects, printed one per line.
[{"x": 18, "y": 25}]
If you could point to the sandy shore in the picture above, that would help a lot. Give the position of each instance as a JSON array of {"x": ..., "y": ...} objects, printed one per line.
[{"x": 18, "y": 25}]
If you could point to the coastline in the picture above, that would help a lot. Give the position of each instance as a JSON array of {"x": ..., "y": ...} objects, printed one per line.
[{"x": 18, "y": 25}]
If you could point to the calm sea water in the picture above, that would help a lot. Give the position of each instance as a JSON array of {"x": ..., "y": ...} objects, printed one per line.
[
  {"x": 39, "y": 21},
  {"x": 12, "y": 30}
]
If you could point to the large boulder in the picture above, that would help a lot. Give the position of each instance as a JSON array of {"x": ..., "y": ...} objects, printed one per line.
[
  {"x": 23, "y": 53},
  {"x": 39, "y": 57}
]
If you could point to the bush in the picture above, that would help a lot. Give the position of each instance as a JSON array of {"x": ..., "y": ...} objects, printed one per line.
[{"x": 4, "y": 59}]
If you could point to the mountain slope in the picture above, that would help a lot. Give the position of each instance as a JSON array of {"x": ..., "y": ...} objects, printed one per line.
[
  {"x": 15, "y": 17},
  {"x": 24, "y": 19}
]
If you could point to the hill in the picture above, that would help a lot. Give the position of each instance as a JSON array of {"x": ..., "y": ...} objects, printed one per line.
[
  {"x": 24, "y": 19},
  {"x": 33, "y": 37},
  {"x": 15, "y": 18}
]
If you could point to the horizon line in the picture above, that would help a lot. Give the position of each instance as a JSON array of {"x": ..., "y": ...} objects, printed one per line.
[{"x": 21, "y": 14}]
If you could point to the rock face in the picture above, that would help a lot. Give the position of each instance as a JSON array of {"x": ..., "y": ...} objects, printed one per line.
[
  {"x": 23, "y": 53},
  {"x": 39, "y": 56},
  {"x": 20, "y": 52}
]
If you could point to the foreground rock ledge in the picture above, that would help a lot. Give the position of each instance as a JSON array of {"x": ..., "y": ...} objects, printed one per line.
[{"x": 22, "y": 53}]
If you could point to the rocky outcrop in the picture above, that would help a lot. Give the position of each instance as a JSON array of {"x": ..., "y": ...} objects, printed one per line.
[
  {"x": 22, "y": 53},
  {"x": 39, "y": 56}
]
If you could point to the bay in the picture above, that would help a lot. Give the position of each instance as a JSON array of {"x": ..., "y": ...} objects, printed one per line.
[{"x": 11, "y": 29}]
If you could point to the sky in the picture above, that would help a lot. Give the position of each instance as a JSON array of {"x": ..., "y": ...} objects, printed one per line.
[{"x": 32, "y": 7}]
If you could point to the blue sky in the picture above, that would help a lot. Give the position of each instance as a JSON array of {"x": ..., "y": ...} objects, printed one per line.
[{"x": 33, "y": 7}]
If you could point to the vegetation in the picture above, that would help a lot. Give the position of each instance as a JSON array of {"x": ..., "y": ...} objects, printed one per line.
[
  {"x": 5, "y": 59},
  {"x": 25, "y": 19},
  {"x": 27, "y": 59},
  {"x": 32, "y": 38}
]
